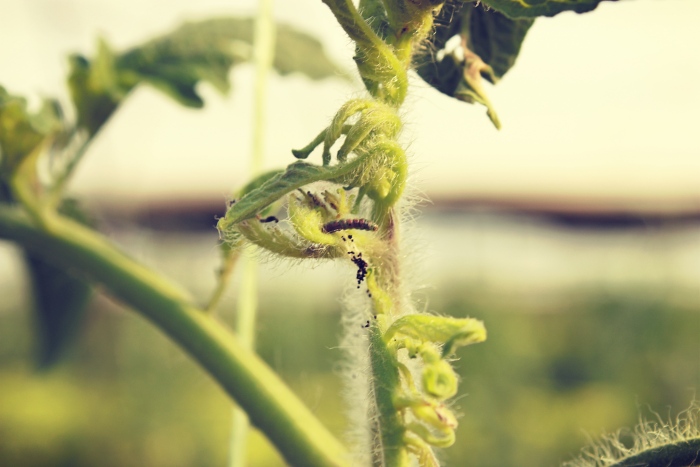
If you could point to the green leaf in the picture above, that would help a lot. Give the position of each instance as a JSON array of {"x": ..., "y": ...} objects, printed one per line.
[
  {"x": 495, "y": 38},
  {"x": 490, "y": 43},
  {"x": 176, "y": 62},
  {"x": 491, "y": 38},
  {"x": 534, "y": 8},
  {"x": 259, "y": 181},
  {"x": 297, "y": 52},
  {"x": 60, "y": 301},
  {"x": 295, "y": 176},
  {"x": 196, "y": 51},
  {"x": 21, "y": 132},
  {"x": 450, "y": 332}
]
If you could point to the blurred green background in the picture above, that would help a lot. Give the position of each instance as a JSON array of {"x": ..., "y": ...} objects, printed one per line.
[
  {"x": 567, "y": 358},
  {"x": 593, "y": 311}
]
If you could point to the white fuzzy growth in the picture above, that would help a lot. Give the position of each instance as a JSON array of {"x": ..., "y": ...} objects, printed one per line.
[
  {"x": 356, "y": 372},
  {"x": 356, "y": 368},
  {"x": 648, "y": 435}
]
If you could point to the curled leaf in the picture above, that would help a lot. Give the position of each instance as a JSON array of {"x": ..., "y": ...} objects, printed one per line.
[
  {"x": 295, "y": 176},
  {"x": 451, "y": 332},
  {"x": 439, "y": 380}
]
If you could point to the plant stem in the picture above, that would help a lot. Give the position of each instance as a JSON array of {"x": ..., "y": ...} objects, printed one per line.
[
  {"x": 263, "y": 54},
  {"x": 246, "y": 314},
  {"x": 388, "y": 430},
  {"x": 389, "y": 447},
  {"x": 228, "y": 262},
  {"x": 271, "y": 405}
]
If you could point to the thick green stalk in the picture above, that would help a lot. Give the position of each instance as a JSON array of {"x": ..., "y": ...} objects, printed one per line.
[
  {"x": 389, "y": 446},
  {"x": 263, "y": 53},
  {"x": 271, "y": 405}
]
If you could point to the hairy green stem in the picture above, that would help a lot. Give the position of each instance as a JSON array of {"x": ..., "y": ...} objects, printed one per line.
[
  {"x": 384, "y": 75},
  {"x": 271, "y": 405},
  {"x": 388, "y": 446}
]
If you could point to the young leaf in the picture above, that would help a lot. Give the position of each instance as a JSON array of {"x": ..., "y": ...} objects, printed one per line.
[{"x": 490, "y": 43}]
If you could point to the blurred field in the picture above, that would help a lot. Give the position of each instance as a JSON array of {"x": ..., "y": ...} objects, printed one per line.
[{"x": 571, "y": 350}]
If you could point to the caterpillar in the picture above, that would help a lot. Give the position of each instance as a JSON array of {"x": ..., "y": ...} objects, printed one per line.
[
  {"x": 269, "y": 219},
  {"x": 349, "y": 224}
]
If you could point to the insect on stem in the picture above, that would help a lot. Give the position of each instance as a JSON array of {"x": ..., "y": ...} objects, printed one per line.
[{"x": 350, "y": 224}]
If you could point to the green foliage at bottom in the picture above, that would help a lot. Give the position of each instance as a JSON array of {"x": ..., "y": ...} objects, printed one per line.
[{"x": 582, "y": 364}]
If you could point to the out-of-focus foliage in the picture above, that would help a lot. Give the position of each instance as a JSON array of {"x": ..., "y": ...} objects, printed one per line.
[
  {"x": 22, "y": 131},
  {"x": 60, "y": 297},
  {"x": 588, "y": 363},
  {"x": 176, "y": 62}
]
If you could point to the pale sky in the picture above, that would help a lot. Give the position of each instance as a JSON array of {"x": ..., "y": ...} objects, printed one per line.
[{"x": 603, "y": 105}]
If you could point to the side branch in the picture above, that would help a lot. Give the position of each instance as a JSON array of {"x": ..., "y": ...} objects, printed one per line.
[{"x": 271, "y": 405}]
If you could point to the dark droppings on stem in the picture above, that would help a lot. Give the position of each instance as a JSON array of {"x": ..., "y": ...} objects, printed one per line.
[{"x": 362, "y": 267}]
